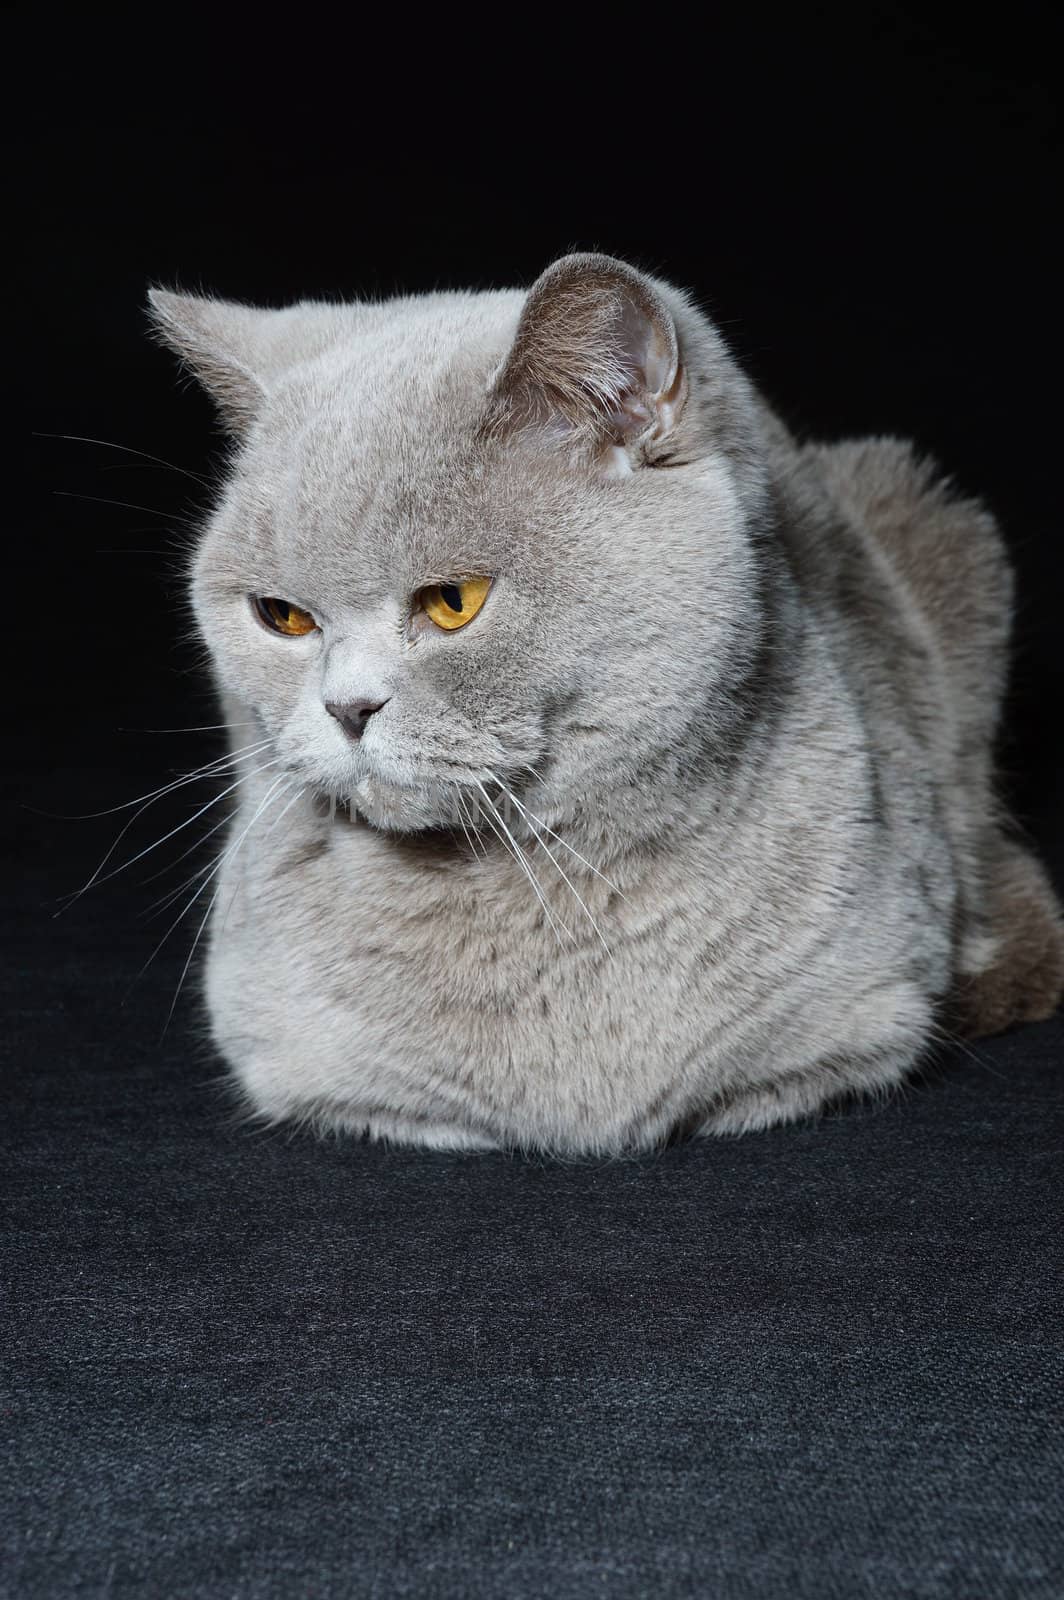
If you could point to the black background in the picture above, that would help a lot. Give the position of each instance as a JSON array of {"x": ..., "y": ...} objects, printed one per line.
[{"x": 867, "y": 208}]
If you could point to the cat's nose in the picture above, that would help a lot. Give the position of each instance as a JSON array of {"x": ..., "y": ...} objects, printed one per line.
[{"x": 353, "y": 715}]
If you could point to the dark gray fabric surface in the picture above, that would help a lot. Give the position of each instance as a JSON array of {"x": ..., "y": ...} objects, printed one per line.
[{"x": 825, "y": 1361}]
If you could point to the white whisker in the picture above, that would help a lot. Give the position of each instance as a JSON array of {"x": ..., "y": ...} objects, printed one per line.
[
  {"x": 99, "y": 876},
  {"x": 167, "y": 900},
  {"x": 179, "y": 829},
  {"x": 202, "y": 727},
  {"x": 226, "y": 855},
  {"x": 108, "y": 444},
  {"x": 102, "y": 500},
  {"x": 300, "y": 792},
  {"x": 496, "y": 823},
  {"x": 462, "y": 818},
  {"x": 209, "y": 769},
  {"x": 531, "y": 817},
  {"x": 284, "y": 809},
  {"x": 196, "y": 844},
  {"x": 174, "y": 894},
  {"x": 572, "y": 887},
  {"x": 217, "y": 892},
  {"x": 188, "y": 958}
]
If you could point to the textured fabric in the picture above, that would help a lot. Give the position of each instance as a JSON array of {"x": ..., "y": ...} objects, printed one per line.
[{"x": 825, "y": 1361}]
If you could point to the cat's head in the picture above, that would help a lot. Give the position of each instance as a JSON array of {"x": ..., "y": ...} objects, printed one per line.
[{"x": 479, "y": 536}]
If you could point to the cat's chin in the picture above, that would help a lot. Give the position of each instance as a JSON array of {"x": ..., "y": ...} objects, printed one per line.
[{"x": 396, "y": 808}]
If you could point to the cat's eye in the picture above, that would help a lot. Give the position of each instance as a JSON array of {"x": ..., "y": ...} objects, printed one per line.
[
  {"x": 281, "y": 616},
  {"x": 452, "y": 605}
]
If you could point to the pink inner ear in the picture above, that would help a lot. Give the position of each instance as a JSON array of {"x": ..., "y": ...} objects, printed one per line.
[
  {"x": 653, "y": 379},
  {"x": 643, "y": 350}
]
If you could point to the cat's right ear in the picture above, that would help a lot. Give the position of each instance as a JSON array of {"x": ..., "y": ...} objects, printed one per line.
[
  {"x": 215, "y": 339},
  {"x": 595, "y": 362}
]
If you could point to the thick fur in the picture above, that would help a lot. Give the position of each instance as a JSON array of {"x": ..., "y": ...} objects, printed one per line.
[{"x": 743, "y": 695}]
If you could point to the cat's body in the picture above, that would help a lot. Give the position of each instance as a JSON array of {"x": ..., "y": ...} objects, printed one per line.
[{"x": 745, "y": 693}]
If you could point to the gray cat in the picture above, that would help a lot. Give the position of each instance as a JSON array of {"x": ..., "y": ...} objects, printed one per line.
[{"x": 610, "y": 766}]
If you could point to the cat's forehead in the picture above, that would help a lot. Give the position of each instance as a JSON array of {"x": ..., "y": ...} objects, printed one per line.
[
  {"x": 397, "y": 375},
  {"x": 374, "y": 459},
  {"x": 402, "y": 376},
  {"x": 412, "y": 485},
  {"x": 363, "y": 436}
]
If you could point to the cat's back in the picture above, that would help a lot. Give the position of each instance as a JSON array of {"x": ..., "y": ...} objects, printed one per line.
[{"x": 941, "y": 552}]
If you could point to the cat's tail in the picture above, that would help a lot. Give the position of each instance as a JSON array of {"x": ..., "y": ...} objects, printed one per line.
[{"x": 1011, "y": 966}]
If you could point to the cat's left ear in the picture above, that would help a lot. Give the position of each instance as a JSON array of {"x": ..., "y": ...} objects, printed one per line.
[
  {"x": 217, "y": 341},
  {"x": 595, "y": 361}
]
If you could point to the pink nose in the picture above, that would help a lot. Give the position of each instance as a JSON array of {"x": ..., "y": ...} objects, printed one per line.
[{"x": 353, "y": 715}]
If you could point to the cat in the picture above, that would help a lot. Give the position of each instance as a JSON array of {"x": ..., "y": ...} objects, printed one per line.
[{"x": 614, "y": 768}]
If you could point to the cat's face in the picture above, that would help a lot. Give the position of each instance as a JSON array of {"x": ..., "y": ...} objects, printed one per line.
[{"x": 400, "y": 470}]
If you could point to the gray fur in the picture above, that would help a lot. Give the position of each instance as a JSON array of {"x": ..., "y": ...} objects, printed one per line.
[{"x": 753, "y": 684}]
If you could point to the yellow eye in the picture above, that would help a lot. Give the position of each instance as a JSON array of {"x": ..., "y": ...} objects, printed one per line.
[
  {"x": 452, "y": 605},
  {"x": 283, "y": 617}
]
